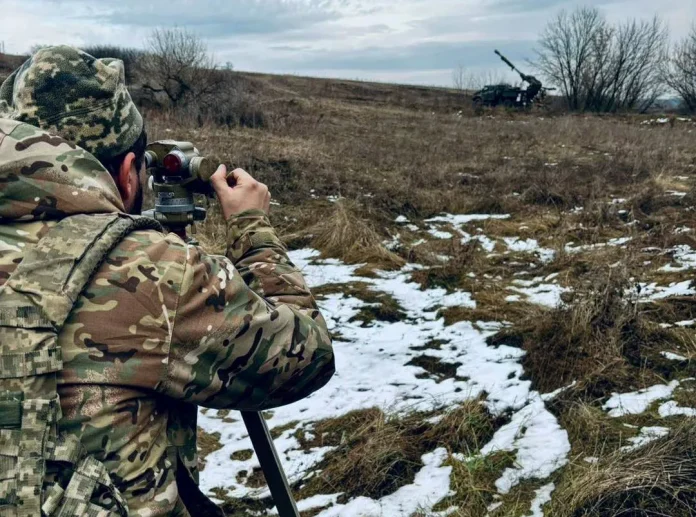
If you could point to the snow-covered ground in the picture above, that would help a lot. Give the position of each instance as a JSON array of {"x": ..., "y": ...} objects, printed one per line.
[{"x": 372, "y": 370}]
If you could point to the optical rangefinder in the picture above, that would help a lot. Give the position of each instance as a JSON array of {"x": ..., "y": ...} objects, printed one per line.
[{"x": 177, "y": 171}]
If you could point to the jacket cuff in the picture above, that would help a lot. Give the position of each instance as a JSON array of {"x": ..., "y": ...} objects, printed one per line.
[{"x": 249, "y": 230}]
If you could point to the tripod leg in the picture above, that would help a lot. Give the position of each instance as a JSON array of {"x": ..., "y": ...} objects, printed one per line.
[{"x": 270, "y": 464}]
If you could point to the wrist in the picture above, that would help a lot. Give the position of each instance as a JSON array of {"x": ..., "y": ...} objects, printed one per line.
[
  {"x": 249, "y": 212},
  {"x": 248, "y": 230}
]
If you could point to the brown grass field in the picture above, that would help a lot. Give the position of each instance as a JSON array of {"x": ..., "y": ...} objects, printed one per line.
[
  {"x": 387, "y": 151},
  {"x": 344, "y": 159}
]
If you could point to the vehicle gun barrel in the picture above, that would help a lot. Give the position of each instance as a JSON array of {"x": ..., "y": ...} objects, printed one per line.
[
  {"x": 507, "y": 62},
  {"x": 509, "y": 95}
]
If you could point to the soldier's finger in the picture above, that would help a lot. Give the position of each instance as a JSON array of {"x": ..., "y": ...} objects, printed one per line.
[
  {"x": 241, "y": 176},
  {"x": 219, "y": 178}
]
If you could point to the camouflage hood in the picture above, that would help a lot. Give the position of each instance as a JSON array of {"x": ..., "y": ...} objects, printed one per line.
[
  {"x": 43, "y": 176},
  {"x": 83, "y": 99}
]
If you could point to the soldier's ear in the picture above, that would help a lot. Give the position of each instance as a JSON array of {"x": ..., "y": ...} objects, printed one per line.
[{"x": 124, "y": 182}]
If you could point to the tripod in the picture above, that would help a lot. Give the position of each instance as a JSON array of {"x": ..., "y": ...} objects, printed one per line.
[{"x": 270, "y": 464}]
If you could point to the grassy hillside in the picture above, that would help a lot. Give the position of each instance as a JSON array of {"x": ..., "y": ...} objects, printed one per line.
[
  {"x": 589, "y": 276},
  {"x": 510, "y": 294}
]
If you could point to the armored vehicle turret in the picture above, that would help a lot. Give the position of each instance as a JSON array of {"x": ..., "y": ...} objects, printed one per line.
[{"x": 504, "y": 94}]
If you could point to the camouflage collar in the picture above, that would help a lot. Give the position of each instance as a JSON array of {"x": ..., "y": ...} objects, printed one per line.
[{"x": 42, "y": 176}]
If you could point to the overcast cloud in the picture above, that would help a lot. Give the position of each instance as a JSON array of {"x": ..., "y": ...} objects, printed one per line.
[{"x": 412, "y": 41}]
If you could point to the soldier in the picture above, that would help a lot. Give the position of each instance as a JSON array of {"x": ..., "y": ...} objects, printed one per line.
[{"x": 161, "y": 327}]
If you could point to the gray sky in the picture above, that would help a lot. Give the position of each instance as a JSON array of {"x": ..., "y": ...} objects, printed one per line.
[{"x": 410, "y": 41}]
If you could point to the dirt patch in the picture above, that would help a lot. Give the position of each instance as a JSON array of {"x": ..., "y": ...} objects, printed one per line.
[
  {"x": 434, "y": 368},
  {"x": 433, "y": 344},
  {"x": 381, "y": 306},
  {"x": 207, "y": 443},
  {"x": 279, "y": 430},
  {"x": 242, "y": 455}
]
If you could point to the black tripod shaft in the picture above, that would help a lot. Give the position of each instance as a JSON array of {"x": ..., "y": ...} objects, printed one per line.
[{"x": 270, "y": 464}]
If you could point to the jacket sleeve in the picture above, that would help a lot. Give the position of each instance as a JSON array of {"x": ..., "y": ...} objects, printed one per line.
[{"x": 247, "y": 333}]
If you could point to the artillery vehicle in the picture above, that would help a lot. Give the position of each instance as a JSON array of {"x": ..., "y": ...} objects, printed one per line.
[{"x": 504, "y": 94}]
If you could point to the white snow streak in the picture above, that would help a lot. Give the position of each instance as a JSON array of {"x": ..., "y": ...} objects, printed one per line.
[
  {"x": 636, "y": 402},
  {"x": 647, "y": 435},
  {"x": 543, "y": 496},
  {"x": 429, "y": 488},
  {"x": 542, "y": 445}
]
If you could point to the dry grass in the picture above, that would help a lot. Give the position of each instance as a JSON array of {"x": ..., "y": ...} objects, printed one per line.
[
  {"x": 473, "y": 481},
  {"x": 490, "y": 306},
  {"x": 379, "y": 305},
  {"x": 591, "y": 432},
  {"x": 658, "y": 479},
  {"x": 347, "y": 234},
  {"x": 377, "y": 453},
  {"x": 462, "y": 259},
  {"x": 599, "y": 339}
]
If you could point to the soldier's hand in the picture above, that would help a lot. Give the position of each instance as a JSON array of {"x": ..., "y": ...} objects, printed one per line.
[{"x": 239, "y": 191}]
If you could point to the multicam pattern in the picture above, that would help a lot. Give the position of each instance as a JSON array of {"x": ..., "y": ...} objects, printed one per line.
[
  {"x": 66, "y": 91},
  {"x": 44, "y": 177},
  {"x": 162, "y": 326}
]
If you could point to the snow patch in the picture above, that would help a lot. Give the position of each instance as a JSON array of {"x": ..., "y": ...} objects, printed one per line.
[
  {"x": 373, "y": 371},
  {"x": 542, "y": 445},
  {"x": 543, "y": 496},
  {"x": 438, "y": 234},
  {"x": 673, "y": 357},
  {"x": 548, "y": 295},
  {"x": 637, "y": 402},
  {"x": 672, "y": 408},
  {"x": 530, "y": 246},
  {"x": 431, "y": 485},
  {"x": 652, "y": 291},
  {"x": 461, "y": 219},
  {"x": 684, "y": 256},
  {"x": 647, "y": 435},
  {"x": 620, "y": 241},
  {"x": 550, "y": 396},
  {"x": 311, "y": 503}
]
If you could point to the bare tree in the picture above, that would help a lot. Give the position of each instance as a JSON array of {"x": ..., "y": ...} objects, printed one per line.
[
  {"x": 637, "y": 52},
  {"x": 565, "y": 49},
  {"x": 600, "y": 67},
  {"x": 178, "y": 65},
  {"x": 464, "y": 79},
  {"x": 680, "y": 73},
  {"x": 459, "y": 78}
]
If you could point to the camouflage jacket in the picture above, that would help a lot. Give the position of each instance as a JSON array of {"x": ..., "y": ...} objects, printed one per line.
[{"x": 162, "y": 327}]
